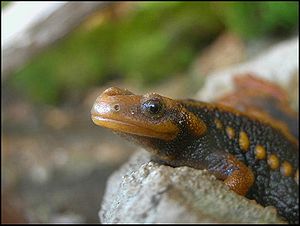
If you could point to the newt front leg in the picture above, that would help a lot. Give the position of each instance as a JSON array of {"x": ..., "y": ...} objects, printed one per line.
[{"x": 236, "y": 175}]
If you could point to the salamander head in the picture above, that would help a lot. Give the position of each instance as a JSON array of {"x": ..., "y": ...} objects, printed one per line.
[
  {"x": 161, "y": 125},
  {"x": 149, "y": 115}
]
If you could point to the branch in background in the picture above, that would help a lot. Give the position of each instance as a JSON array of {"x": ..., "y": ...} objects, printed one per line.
[{"x": 42, "y": 32}]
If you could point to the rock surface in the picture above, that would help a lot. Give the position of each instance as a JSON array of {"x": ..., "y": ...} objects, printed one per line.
[
  {"x": 279, "y": 64},
  {"x": 143, "y": 191}
]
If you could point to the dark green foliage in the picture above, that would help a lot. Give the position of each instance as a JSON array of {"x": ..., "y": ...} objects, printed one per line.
[
  {"x": 4, "y": 4},
  {"x": 252, "y": 19},
  {"x": 152, "y": 42}
]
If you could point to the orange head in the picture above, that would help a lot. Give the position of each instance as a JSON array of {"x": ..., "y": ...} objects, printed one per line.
[
  {"x": 157, "y": 123},
  {"x": 122, "y": 111}
]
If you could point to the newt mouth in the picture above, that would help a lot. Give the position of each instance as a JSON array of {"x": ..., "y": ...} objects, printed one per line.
[{"x": 125, "y": 127}]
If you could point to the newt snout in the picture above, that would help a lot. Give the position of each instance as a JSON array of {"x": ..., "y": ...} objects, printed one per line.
[{"x": 107, "y": 104}]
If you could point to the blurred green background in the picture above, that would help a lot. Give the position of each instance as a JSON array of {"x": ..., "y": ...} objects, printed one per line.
[
  {"x": 55, "y": 161},
  {"x": 148, "y": 43}
]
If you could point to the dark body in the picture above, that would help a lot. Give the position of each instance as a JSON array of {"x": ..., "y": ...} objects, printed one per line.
[{"x": 270, "y": 187}]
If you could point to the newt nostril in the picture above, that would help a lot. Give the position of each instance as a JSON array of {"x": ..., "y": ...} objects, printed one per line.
[{"x": 116, "y": 107}]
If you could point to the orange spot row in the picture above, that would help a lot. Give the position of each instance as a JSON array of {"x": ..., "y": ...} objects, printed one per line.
[
  {"x": 286, "y": 168},
  {"x": 260, "y": 152},
  {"x": 273, "y": 161},
  {"x": 218, "y": 123},
  {"x": 244, "y": 141},
  {"x": 230, "y": 132}
]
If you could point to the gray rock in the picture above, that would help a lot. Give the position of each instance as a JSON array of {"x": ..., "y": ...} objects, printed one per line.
[
  {"x": 278, "y": 64},
  {"x": 146, "y": 192}
]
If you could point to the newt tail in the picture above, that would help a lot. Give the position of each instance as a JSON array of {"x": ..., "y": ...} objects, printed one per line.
[{"x": 254, "y": 156}]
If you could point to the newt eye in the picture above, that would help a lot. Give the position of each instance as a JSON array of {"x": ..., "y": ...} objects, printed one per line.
[{"x": 152, "y": 107}]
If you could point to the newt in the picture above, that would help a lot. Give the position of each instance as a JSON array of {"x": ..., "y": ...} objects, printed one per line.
[{"x": 255, "y": 156}]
